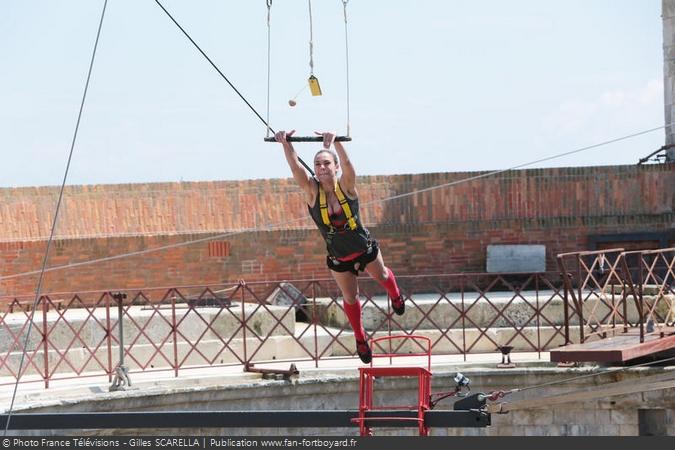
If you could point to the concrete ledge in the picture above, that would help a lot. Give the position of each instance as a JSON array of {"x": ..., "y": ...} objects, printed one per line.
[
  {"x": 321, "y": 391},
  {"x": 485, "y": 328},
  {"x": 279, "y": 348},
  {"x": 504, "y": 309},
  {"x": 423, "y": 311}
]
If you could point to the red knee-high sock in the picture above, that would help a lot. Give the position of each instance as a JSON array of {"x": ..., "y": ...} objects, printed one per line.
[
  {"x": 390, "y": 285},
  {"x": 353, "y": 313}
]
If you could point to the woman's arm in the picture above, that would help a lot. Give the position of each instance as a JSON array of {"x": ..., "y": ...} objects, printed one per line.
[
  {"x": 300, "y": 174},
  {"x": 348, "y": 178}
]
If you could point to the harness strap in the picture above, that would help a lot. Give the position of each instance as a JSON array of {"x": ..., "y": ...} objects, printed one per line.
[
  {"x": 345, "y": 207},
  {"x": 323, "y": 206}
]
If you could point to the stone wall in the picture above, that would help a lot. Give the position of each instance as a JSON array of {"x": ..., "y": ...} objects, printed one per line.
[{"x": 611, "y": 416}]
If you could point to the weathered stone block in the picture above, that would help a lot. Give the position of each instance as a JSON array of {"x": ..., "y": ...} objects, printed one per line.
[
  {"x": 624, "y": 417},
  {"x": 533, "y": 417},
  {"x": 628, "y": 430},
  {"x": 287, "y": 295},
  {"x": 516, "y": 258},
  {"x": 567, "y": 415}
]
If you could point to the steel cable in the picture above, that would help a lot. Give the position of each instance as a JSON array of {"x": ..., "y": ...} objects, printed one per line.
[{"x": 56, "y": 217}]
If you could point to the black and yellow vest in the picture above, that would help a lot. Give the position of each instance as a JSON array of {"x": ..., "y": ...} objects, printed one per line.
[{"x": 341, "y": 241}]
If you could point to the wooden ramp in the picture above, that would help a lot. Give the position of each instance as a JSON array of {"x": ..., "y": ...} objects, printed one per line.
[{"x": 618, "y": 348}]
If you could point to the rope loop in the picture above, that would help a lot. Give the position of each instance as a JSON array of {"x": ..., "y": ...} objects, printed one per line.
[
  {"x": 344, "y": 9},
  {"x": 269, "y": 52},
  {"x": 311, "y": 40}
]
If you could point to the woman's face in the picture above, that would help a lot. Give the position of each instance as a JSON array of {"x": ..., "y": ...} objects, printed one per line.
[{"x": 325, "y": 165}]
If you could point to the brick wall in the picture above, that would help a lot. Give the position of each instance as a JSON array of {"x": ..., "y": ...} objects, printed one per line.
[{"x": 440, "y": 230}]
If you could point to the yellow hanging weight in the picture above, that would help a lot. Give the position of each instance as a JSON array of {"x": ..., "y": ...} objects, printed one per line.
[{"x": 314, "y": 85}]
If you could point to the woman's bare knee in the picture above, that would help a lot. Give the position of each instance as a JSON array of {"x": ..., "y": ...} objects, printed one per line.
[{"x": 348, "y": 285}]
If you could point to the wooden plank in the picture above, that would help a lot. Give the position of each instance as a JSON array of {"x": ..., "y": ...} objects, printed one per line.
[{"x": 614, "y": 349}]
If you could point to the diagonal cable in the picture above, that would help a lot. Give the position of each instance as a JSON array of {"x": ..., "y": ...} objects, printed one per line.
[
  {"x": 267, "y": 125},
  {"x": 214, "y": 66},
  {"x": 56, "y": 218},
  {"x": 594, "y": 374}
]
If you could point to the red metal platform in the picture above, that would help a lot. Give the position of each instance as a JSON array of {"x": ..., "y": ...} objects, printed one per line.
[{"x": 368, "y": 375}]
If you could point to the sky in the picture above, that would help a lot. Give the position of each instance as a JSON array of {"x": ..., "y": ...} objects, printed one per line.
[{"x": 434, "y": 86}]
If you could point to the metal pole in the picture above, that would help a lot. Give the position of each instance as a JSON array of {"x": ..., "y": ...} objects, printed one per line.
[
  {"x": 121, "y": 378},
  {"x": 45, "y": 340}
]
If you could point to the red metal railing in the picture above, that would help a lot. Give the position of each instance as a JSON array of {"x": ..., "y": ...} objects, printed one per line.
[
  {"x": 605, "y": 291},
  {"x": 179, "y": 328},
  {"x": 654, "y": 271}
]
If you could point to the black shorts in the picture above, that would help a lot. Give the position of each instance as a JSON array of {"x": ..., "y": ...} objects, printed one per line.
[{"x": 357, "y": 264}]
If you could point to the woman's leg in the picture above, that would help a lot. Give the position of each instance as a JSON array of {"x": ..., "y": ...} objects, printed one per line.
[
  {"x": 349, "y": 286},
  {"x": 383, "y": 275}
]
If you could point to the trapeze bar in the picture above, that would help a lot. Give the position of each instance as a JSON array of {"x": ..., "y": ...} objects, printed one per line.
[
  {"x": 310, "y": 139},
  {"x": 238, "y": 419}
]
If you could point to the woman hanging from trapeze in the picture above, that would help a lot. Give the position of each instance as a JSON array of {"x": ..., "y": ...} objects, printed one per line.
[{"x": 333, "y": 204}]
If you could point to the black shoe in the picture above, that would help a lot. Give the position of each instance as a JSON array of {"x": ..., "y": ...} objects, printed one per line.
[
  {"x": 398, "y": 305},
  {"x": 363, "y": 350}
]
